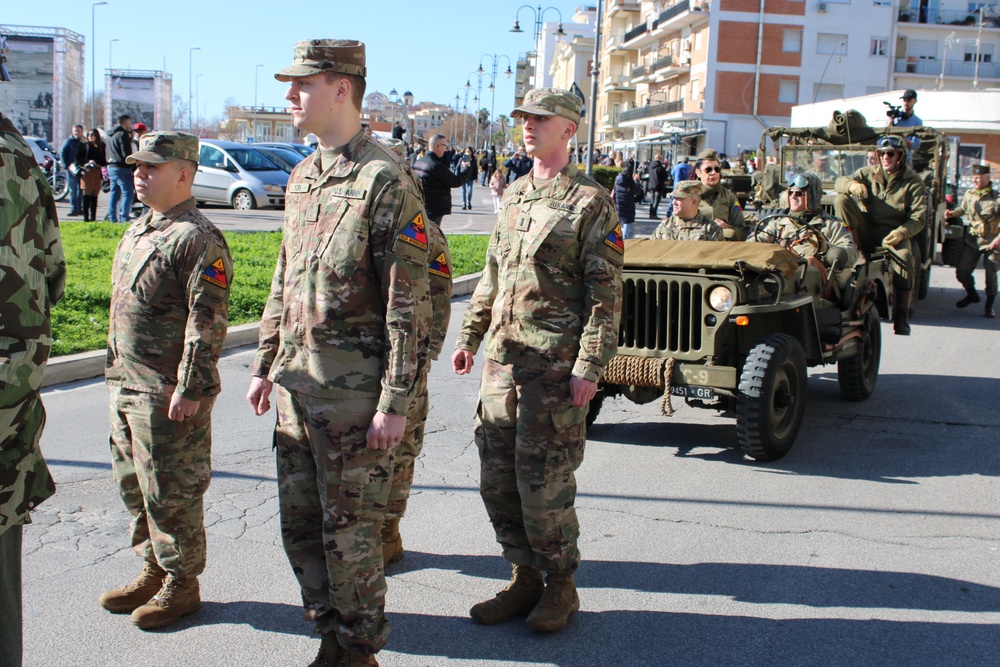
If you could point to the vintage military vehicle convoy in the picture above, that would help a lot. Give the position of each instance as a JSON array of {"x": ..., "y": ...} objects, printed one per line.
[{"x": 733, "y": 327}]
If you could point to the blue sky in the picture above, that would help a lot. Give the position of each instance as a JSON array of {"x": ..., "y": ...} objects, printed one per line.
[{"x": 427, "y": 47}]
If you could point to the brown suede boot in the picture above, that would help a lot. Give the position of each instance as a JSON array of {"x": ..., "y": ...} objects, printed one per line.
[
  {"x": 392, "y": 542},
  {"x": 330, "y": 652},
  {"x": 176, "y": 599},
  {"x": 518, "y": 599},
  {"x": 131, "y": 596},
  {"x": 558, "y": 603}
]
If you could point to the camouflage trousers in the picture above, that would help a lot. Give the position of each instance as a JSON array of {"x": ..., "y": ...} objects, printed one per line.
[
  {"x": 405, "y": 456},
  {"x": 531, "y": 440},
  {"x": 332, "y": 494},
  {"x": 162, "y": 469},
  {"x": 870, "y": 235}
]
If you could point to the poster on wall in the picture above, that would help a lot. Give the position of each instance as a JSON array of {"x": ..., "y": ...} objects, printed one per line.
[
  {"x": 28, "y": 99},
  {"x": 134, "y": 96}
]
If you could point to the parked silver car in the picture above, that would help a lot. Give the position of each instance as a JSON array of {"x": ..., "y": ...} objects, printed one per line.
[
  {"x": 301, "y": 149},
  {"x": 238, "y": 175},
  {"x": 285, "y": 158}
]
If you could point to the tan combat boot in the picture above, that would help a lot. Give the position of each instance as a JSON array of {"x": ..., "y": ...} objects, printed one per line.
[
  {"x": 131, "y": 596},
  {"x": 559, "y": 602},
  {"x": 330, "y": 652},
  {"x": 176, "y": 599},
  {"x": 518, "y": 599},
  {"x": 392, "y": 542}
]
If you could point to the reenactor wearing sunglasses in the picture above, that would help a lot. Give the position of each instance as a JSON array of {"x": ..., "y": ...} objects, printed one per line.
[
  {"x": 717, "y": 202},
  {"x": 831, "y": 248},
  {"x": 893, "y": 195}
]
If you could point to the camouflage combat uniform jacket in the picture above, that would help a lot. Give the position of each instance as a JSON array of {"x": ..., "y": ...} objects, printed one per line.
[
  {"x": 32, "y": 279},
  {"x": 550, "y": 295},
  {"x": 350, "y": 287},
  {"x": 169, "y": 304},
  {"x": 892, "y": 201},
  {"x": 718, "y": 203},
  {"x": 982, "y": 214},
  {"x": 698, "y": 228}
]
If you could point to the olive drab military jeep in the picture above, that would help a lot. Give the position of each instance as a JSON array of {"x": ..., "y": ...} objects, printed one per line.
[
  {"x": 840, "y": 149},
  {"x": 733, "y": 327}
]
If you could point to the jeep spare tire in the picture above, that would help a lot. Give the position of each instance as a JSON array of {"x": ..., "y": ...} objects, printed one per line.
[{"x": 772, "y": 397}]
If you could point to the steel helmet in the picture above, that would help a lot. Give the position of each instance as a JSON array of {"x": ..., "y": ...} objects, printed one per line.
[{"x": 889, "y": 143}]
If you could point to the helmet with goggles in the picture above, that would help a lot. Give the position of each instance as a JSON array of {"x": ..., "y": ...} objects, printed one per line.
[{"x": 890, "y": 144}]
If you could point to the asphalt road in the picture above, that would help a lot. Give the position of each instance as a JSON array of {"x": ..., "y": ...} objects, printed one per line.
[{"x": 875, "y": 541}]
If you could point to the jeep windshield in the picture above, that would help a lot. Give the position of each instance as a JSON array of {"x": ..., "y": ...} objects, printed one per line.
[{"x": 826, "y": 162}]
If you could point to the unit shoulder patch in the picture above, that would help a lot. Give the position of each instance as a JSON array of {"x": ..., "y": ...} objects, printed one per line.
[
  {"x": 215, "y": 273},
  {"x": 439, "y": 266},
  {"x": 615, "y": 241},
  {"x": 415, "y": 233}
]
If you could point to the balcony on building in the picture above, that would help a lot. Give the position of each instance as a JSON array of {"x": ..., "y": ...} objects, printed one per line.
[
  {"x": 668, "y": 66},
  {"x": 618, "y": 82},
  {"x": 615, "y": 42},
  {"x": 641, "y": 35},
  {"x": 953, "y": 68},
  {"x": 615, "y": 6},
  {"x": 639, "y": 114},
  {"x": 682, "y": 14},
  {"x": 945, "y": 17}
]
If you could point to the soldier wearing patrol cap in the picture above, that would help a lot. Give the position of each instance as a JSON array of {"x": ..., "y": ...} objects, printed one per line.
[
  {"x": 341, "y": 335},
  {"x": 688, "y": 222},
  {"x": 982, "y": 238},
  {"x": 169, "y": 312},
  {"x": 549, "y": 303},
  {"x": 717, "y": 202}
]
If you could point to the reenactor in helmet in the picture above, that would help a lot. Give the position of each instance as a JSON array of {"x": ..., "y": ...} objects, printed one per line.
[{"x": 980, "y": 208}]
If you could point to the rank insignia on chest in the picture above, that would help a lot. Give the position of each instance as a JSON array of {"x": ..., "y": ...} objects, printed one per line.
[
  {"x": 215, "y": 273},
  {"x": 615, "y": 240},
  {"x": 415, "y": 233},
  {"x": 439, "y": 266},
  {"x": 312, "y": 211}
]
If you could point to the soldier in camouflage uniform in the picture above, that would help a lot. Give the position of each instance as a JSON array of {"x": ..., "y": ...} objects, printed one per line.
[
  {"x": 341, "y": 336},
  {"x": 822, "y": 239},
  {"x": 688, "y": 222},
  {"x": 895, "y": 205},
  {"x": 549, "y": 302},
  {"x": 982, "y": 238},
  {"x": 32, "y": 278},
  {"x": 439, "y": 274},
  {"x": 169, "y": 313},
  {"x": 717, "y": 202}
]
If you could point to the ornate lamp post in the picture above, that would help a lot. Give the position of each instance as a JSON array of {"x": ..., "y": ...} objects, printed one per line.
[
  {"x": 190, "y": 83},
  {"x": 494, "y": 61},
  {"x": 93, "y": 60}
]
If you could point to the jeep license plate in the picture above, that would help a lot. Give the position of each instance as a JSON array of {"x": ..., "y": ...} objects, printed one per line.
[{"x": 687, "y": 391}]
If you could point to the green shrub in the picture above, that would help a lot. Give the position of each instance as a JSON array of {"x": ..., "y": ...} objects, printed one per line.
[
  {"x": 606, "y": 176},
  {"x": 80, "y": 321}
]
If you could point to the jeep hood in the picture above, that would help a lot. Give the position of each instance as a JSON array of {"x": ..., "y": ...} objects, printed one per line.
[{"x": 716, "y": 255}]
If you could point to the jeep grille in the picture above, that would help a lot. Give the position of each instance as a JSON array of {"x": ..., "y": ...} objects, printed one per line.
[{"x": 662, "y": 315}]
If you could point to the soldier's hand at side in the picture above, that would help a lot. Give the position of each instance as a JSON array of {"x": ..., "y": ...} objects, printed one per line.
[
  {"x": 259, "y": 395},
  {"x": 386, "y": 430},
  {"x": 995, "y": 244},
  {"x": 462, "y": 361},
  {"x": 181, "y": 408},
  {"x": 581, "y": 391},
  {"x": 949, "y": 214},
  {"x": 721, "y": 223},
  {"x": 895, "y": 237},
  {"x": 858, "y": 190}
]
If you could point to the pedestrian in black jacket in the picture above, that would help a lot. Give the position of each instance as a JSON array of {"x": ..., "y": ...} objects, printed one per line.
[
  {"x": 68, "y": 155},
  {"x": 437, "y": 179},
  {"x": 657, "y": 184},
  {"x": 120, "y": 172}
]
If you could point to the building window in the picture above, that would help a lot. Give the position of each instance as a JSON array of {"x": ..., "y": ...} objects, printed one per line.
[
  {"x": 879, "y": 46},
  {"x": 283, "y": 132},
  {"x": 788, "y": 92},
  {"x": 828, "y": 91},
  {"x": 923, "y": 49},
  {"x": 984, "y": 55},
  {"x": 831, "y": 44},
  {"x": 791, "y": 41},
  {"x": 697, "y": 41},
  {"x": 695, "y": 89}
]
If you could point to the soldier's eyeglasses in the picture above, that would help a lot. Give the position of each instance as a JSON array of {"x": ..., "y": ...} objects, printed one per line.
[
  {"x": 709, "y": 170},
  {"x": 889, "y": 153},
  {"x": 796, "y": 193}
]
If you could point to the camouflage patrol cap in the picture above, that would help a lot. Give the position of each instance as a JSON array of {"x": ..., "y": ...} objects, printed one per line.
[
  {"x": 315, "y": 56},
  {"x": 708, "y": 154},
  {"x": 686, "y": 189},
  {"x": 159, "y": 147},
  {"x": 550, "y": 102},
  {"x": 980, "y": 169}
]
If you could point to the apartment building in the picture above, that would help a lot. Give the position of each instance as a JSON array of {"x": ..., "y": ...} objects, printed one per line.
[{"x": 571, "y": 65}]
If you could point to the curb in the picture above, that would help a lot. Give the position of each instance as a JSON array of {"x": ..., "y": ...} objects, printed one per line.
[{"x": 86, "y": 365}]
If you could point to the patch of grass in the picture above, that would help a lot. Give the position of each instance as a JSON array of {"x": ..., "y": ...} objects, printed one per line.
[{"x": 80, "y": 321}]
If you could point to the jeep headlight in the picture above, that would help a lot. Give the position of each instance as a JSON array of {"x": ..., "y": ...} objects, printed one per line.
[
  {"x": 271, "y": 187},
  {"x": 720, "y": 298}
]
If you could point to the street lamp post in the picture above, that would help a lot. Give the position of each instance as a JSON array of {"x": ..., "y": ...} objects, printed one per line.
[
  {"x": 594, "y": 74},
  {"x": 539, "y": 15},
  {"x": 494, "y": 61},
  {"x": 475, "y": 100},
  {"x": 190, "y": 82},
  {"x": 256, "y": 70},
  {"x": 197, "y": 99},
  {"x": 93, "y": 60}
]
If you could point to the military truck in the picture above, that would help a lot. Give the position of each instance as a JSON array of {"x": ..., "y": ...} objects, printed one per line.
[
  {"x": 733, "y": 327},
  {"x": 842, "y": 147}
]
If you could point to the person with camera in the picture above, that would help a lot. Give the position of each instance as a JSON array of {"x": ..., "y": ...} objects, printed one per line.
[
  {"x": 895, "y": 212},
  {"x": 903, "y": 116},
  {"x": 982, "y": 237}
]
